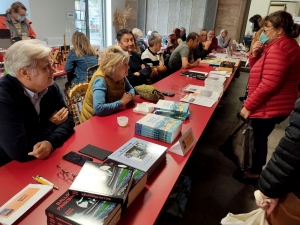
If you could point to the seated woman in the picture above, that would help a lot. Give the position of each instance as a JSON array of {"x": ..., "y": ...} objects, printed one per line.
[
  {"x": 109, "y": 89},
  {"x": 138, "y": 71},
  {"x": 15, "y": 20},
  {"x": 202, "y": 49},
  {"x": 81, "y": 57}
]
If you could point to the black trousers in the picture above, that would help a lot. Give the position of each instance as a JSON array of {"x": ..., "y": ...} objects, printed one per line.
[{"x": 262, "y": 128}]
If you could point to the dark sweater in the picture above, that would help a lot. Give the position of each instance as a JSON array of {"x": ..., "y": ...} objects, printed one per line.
[
  {"x": 200, "y": 52},
  {"x": 135, "y": 63},
  {"x": 20, "y": 125},
  {"x": 282, "y": 173}
]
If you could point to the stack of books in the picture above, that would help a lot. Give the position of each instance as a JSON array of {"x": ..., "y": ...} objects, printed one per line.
[
  {"x": 176, "y": 110},
  {"x": 158, "y": 127},
  {"x": 215, "y": 83},
  {"x": 96, "y": 195},
  {"x": 140, "y": 154},
  {"x": 72, "y": 209}
]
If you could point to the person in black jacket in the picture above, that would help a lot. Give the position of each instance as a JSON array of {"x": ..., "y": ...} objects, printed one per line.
[
  {"x": 34, "y": 120},
  {"x": 280, "y": 180},
  {"x": 202, "y": 49},
  {"x": 138, "y": 71}
]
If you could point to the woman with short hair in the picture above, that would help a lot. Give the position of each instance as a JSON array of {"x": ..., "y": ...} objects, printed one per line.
[
  {"x": 15, "y": 20},
  {"x": 109, "y": 89},
  {"x": 273, "y": 82},
  {"x": 81, "y": 57}
]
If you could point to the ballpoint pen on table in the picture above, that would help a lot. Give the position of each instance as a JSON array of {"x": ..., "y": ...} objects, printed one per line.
[{"x": 41, "y": 180}]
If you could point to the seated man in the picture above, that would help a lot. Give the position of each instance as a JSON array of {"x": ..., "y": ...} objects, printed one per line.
[
  {"x": 214, "y": 41},
  {"x": 202, "y": 49},
  {"x": 223, "y": 40},
  {"x": 182, "y": 56},
  {"x": 138, "y": 70},
  {"x": 152, "y": 58},
  {"x": 34, "y": 120}
]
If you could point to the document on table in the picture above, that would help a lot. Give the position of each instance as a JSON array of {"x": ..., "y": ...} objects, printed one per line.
[{"x": 204, "y": 98}]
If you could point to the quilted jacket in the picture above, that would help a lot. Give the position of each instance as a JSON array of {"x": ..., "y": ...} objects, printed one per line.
[
  {"x": 282, "y": 173},
  {"x": 273, "y": 80}
]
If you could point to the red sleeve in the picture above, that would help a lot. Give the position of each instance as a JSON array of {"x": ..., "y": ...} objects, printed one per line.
[
  {"x": 214, "y": 43},
  {"x": 253, "y": 60},
  {"x": 274, "y": 69},
  {"x": 31, "y": 32}
]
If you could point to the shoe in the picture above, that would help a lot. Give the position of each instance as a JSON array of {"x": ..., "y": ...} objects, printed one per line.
[
  {"x": 239, "y": 176},
  {"x": 242, "y": 99}
]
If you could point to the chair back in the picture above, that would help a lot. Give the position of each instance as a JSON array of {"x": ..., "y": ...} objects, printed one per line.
[
  {"x": 90, "y": 71},
  {"x": 76, "y": 98}
]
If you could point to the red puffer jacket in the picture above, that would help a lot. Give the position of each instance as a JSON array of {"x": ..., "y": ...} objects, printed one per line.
[{"x": 273, "y": 80}]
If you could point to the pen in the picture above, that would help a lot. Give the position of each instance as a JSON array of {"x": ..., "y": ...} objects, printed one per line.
[{"x": 47, "y": 181}]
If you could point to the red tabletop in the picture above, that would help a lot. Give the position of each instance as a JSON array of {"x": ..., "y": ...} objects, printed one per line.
[
  {"x": 60, "y": 71},
  {"x": 104, "y": 132}
]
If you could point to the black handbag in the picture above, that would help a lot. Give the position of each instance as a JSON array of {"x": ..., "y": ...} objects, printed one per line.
[{"x": 239, "y": 146}]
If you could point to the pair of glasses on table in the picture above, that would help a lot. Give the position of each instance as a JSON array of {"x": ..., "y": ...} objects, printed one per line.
[{"x": 67, "y": 175}]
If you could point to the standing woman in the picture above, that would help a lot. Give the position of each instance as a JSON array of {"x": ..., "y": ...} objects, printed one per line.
[
  {"x": 15, "y": 20},
  {"x": 81, "y": 57},
  {"x": 273, "y": 81},
  {"x": 255, "y": 26}
]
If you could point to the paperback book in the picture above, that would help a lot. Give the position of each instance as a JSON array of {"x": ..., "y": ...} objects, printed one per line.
[
  {"x": 158, "y": 127},
  {"x": 138, "y": 182},
  {"x": 172, "y": 114},
  {"x": 140, "y": 154},
  {"x": 102, "y": 182},
  {"x": 178, "y": 108},
  {"x": 72, "y": 209}
]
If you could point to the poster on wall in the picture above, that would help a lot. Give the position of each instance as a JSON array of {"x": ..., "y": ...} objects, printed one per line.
[
  {"x": 70, "y": 14},
  {"x": 297, "y": 20}
]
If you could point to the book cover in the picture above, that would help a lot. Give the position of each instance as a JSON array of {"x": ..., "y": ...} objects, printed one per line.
[
  {"x": 158, "y": 127},
  {"x": 138, "y": 183},
  {"x": 138, "y": 154},
  {"x": 179, "y": 108},
  {"x": 103, "y": 182},
  {"x": 72, "y": 209},
  {"x": 21, "y": 202}
]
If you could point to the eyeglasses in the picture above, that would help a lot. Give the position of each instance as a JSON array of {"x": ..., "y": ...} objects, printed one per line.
[
  {"x": 203, "y": 34},
  {"x": 265, "y": 31},
  {"x": 66, "y": 174},
  {"x": 24, "y": 15}
]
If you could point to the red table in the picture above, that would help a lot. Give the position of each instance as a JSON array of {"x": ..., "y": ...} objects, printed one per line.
[
  {"x": 105, "y": 133},
  {"x": 60, "y": 71}
]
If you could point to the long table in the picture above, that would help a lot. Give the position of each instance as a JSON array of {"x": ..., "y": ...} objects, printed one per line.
[{"x": 104, "y": 132}]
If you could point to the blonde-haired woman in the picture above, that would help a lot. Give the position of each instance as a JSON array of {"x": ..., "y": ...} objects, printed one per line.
[
  {"x": 81, "y": 57},
  {"x": 109, "y": 89}
]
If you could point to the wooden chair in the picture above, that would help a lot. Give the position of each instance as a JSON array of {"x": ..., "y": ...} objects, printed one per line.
[
  {"x": 76, "y": 98},
  {"x": 90, "y": 71}
]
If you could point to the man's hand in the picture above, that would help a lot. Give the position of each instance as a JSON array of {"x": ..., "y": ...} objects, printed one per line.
[
  {"x": 143, "y": 66},
  {"x": 41, "y": 150},
  {"x": 137, "y": 74},
  {"x": 59, "y": 117},
  {"x": 196, "y": 63},
  {"x": 206, "y": 45},
  {"x": 245, "y": 113}
]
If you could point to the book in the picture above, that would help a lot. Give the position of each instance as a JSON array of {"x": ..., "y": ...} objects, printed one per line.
[
  {"x": 158, "y": 127},
  {"x": 138, "y": 183},
  {"x": 22, "y": 201},
  {"x": 71, "y": 209},
  {"x": 215, "y": 80},
  {"x": 179, "y": 108},
  {"x": 103, "y": 182},
  {"x": 204, "y": 98},
  {"x": 140, "y": 154}
]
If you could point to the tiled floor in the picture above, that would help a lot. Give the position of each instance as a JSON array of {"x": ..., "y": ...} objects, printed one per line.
[{"x": 214, "y": 191}]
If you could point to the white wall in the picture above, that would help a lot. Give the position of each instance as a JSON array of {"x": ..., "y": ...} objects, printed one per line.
[
  {"x": 111, "y": 7},
  {"x": 5, "y": 4},
  {"x": 260, "y": 7},
  {"x": 49, "y": 18}
]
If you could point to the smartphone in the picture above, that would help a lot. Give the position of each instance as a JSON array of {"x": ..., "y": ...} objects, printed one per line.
[
  {"x": 170, "y": 94},
  {"x": 76, "y": 158}
]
